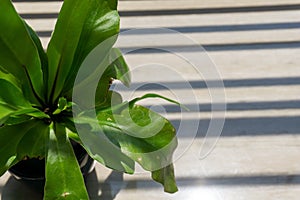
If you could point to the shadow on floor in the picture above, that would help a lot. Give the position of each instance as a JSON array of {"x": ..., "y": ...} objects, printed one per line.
[
  {"x": 247, "y": 126},
  {"x": 110, "y": 188},
  {"x": 203, "y": 84},
  {"x": 212, "y": 28},
  {"x": 238, "y": 106},
  {"x": 107, "y": 190},
  {"x": 214, "y": 47},
  {"x": 17, "y": 190},
  {"x": 230, "y": 181}
]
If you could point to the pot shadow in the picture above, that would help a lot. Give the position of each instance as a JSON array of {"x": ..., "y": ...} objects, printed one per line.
[
  {"x": 107, "y": 189},
  {"x": 32, "y": 190},
  {"x": 16, "y": 190}
]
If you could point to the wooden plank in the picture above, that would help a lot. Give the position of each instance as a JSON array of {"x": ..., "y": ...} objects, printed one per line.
[
  {"x": 38, "y": 7},
  {"x": 192, "y": 20},
  {"x": 54, "y": 6},
  {"x": 192, "y": 4},
  {"x": 213, "y": 19}
]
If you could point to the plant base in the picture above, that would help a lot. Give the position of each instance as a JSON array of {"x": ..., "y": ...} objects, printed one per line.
[{"x": 34, "y": 169}]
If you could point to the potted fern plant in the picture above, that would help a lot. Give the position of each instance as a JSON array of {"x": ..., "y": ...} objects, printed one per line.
[{"x": 40, "y": 121}]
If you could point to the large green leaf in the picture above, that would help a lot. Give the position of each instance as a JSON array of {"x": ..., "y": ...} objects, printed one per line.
[
  {"x": 99, "y": 147},
  {"x": 14, "y": 105},
  {"x": 11, "y": 116},
  {"x": 151, "y": 145},
  {"x": 11, "y": 95},
  {"x": 154, "y": 133},
  {"x": 150, "y": 140},
  {"x": 10, "y": 78},
  {"x": 19, "y": 55},
  {"x": 10, "y": 137},
  {"x": 33, "y": 144},
  {"x": 42, "y": 53},
  {"x": 81, "y": 26},
  {"x": 63, "y": 175},
  {"x": 5, "y": 113}
]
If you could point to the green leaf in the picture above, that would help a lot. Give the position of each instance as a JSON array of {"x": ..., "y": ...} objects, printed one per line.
[
  {"x": 111, "y": 99},
  {"x": 10, "y": 137},
  {"x": 19, "y": 55},
  {"x": 151, "y": 144},
  {"x": 11, "y": 95},
  {"x": 63, "y": 175},
  {"x": 99, "y": 147},
  {"x": 14, "y": 107},
  {"x": 166, "y": 177},
  {"x": 117, "y": 69},
  {"x": 33, "y": 144},
  {"x": 10, "y": 78},
  {"x": 11, "y": 119},
  {"x": 153, "y": 95},
  {"x": 5, "y": 113},
  {"x": 11, "y": 116},
  {"x": 81, "y": 26},
  {"x": 142, "y": 140},
  {"x": 42, "y": 53},
  {"x": 63, "y": 105},
  {"x": 153, "y": 153},
  {"x": 120, "y": 66},
  {"x": 102, "y": 92}
]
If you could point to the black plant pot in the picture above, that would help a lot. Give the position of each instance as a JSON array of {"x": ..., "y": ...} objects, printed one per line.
[{"x": 34, "y": 169}]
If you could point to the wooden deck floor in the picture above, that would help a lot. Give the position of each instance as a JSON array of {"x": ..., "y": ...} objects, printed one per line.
[{"x": 255, "y": 46}]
